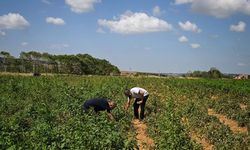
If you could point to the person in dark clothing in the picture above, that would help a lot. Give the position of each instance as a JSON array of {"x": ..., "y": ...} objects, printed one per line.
[{"x": 100, "y": 104}]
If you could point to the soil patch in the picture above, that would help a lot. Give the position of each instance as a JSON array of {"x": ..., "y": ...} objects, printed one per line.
[
  {"x": 197, "y": 138},
  {"x": 233, "y": 125},
  {"x": 16, "y": 74},
  {"x": 143, "y": 140},
  {"x": 243, "y": 106},
  {"x": 202, "y": 141}
]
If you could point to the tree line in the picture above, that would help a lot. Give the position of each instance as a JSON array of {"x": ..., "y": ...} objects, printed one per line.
[
  {"x": 212, "y": 73},
  {"x": 36, "y": 62}
]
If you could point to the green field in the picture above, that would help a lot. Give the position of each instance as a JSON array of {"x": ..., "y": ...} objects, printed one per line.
[{"x": 45, "y": 113}]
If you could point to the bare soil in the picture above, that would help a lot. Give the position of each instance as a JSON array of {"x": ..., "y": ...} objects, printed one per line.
[
  {"x": 16, "y": 74},
  {"x": 198, "y": 138},
  {"x": 26, "y": 74},
  {"x": 143, "y": 140},
  {"x": 202, "y": 141},
  {"x": 232, "y": 124},
  {"x": 243, "y": 106}
]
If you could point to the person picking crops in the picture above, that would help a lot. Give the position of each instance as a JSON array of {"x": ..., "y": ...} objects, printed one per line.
[
  {"x": 140, "y": 95},
  {"x": 100, "y": 104}
]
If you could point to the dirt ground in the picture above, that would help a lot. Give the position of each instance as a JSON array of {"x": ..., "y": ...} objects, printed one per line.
[
  {"x": 243, "y": 106},
  {"x": 143, "y": 140},
  {"x": 233, "y": 125},
  {"x": 202, "y": 141},
  {"x": 198, "y": 138}
]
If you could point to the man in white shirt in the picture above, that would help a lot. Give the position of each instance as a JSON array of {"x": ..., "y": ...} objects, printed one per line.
[{"x": 141, "y": 96}]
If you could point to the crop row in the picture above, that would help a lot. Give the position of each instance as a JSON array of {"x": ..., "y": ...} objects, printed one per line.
[{"x": 45, "y": 112}]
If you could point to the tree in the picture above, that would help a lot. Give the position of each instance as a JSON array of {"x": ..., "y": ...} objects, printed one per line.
[
  {"x": 7, "y": 59},
  {"x": 5, "y": 54},
  {"x": 70, "y": 64},
  {"x": 214, "y": 73}
]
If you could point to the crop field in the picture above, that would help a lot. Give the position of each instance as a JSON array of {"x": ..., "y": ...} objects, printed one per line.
[{"x": 45, "y": 113}]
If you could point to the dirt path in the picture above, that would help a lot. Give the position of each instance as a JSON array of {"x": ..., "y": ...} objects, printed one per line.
[
  {"x": 198, "y": 138},
  {"x": 202, "y": 141},
  {"x": 233, "y": 125},
  {"x": 143, "y": 140}
]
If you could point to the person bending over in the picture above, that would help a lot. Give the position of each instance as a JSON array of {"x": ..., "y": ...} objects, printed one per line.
[
  {"x": 100, "y": 104},
  {"x": 141, "y": 96}
]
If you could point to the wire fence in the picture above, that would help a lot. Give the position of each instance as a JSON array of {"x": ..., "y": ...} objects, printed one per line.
[
  {"x": 30, "y": 66},
  {"x": 37, "y": 67}
]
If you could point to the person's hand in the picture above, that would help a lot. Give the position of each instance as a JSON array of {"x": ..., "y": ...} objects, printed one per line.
[{"x": 126, "y": 107}]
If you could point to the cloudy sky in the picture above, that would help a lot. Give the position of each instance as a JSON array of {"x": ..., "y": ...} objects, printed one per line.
[{"x": 139, "y": 35}]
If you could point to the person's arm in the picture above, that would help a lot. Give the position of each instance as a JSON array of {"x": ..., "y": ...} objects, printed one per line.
[{"x": 128, "y": 103}]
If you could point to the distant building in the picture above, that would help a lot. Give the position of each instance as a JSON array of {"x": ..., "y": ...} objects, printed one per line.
[
  {"x": 128, "y": 73},
  {"x": 241, "y": 76}
]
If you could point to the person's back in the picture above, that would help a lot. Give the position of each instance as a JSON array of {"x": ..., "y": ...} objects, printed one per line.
[
  {"x": 99, "y": 104},
  {"x": 137, "y": 91}
]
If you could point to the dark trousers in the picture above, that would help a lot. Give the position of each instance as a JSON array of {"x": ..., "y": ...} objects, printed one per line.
[{"x": 136, "y": 107}]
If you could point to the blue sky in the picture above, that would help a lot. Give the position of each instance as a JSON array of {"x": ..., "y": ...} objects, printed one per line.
[{"x": 139, "y": 35}]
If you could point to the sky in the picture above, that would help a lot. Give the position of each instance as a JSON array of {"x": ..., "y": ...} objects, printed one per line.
[{"x": 175, "y": 36}]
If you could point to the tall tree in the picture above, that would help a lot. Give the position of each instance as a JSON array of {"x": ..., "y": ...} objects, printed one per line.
[
  {"x": 7, "y": 59},
  {"x": 214, "y": 73}
]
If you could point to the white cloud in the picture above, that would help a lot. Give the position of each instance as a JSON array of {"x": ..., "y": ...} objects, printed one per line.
[
  {"x": 195, "y": 45},
  {"x": 218, "y": 8},
  {"x": 81, "y": 6},
  {"x": 188, "y": 26},
  {"x": 13, "y": 21},
  {"x": 132, "y": 23},
  {"x": 240, "y": 27},
  {"x": 2, "y": 33},
  {"x": 157, "y": 11},
  {"x": 55, "y": 21},
  {"x": 24, "y": 43},
  {"x": 183, "y": 39},
  {"x": 178, "y": 2}
]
